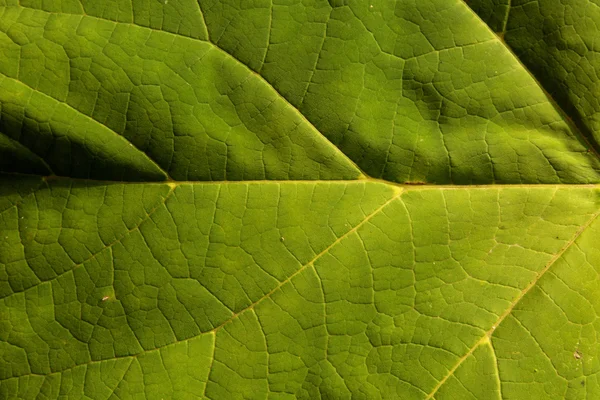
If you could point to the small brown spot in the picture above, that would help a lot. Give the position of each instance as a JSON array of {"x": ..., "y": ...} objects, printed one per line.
[{"x": 577, "y": 355}]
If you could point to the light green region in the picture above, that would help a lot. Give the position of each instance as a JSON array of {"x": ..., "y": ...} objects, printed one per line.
[
  {"x": 175, "y": 371},
  {"x": 296, "y": 289},
  {"x": 476, "y": 378},
  {"x": 182, "y": 17},
  {"x": 565, "y": 302}
]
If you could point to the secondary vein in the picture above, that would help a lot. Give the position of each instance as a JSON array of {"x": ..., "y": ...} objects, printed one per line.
[{"x": 508, "y": 311}]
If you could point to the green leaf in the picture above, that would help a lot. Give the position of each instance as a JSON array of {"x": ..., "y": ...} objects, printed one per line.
[{"x": 219, "y": 199}]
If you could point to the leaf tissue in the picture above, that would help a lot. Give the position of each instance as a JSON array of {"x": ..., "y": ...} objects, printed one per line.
[{"x": 299, "y": 199}]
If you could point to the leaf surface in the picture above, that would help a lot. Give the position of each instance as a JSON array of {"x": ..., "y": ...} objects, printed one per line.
[{"x": 279, "y": 199}]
